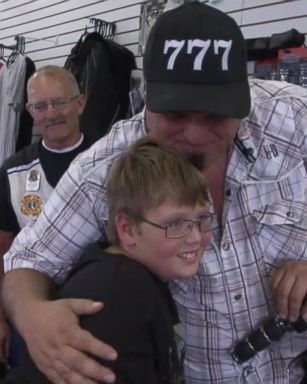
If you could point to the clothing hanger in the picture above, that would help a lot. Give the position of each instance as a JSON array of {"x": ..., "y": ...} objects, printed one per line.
[
  {"x": 108, "y": 30},
  {"x": 18, "y": 49},
  {"x": 105, "y": 28},
  {"x": 20, "y": 44},
  {"x": 2, "y": 53},
  {"x": 84, "y": 34}
]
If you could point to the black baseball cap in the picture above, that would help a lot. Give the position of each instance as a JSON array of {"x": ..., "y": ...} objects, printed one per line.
[{"x": 195, "y": 61}]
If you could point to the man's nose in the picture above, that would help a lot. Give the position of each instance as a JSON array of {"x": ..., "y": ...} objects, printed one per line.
[
  {"x": 196, "y": 131},
  {"x": 51, "y": 110}
]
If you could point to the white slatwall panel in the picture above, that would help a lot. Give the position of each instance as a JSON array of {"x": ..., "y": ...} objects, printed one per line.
[
  {"x": 57, "y": 25},
  {"x": 266, "y": 19}
]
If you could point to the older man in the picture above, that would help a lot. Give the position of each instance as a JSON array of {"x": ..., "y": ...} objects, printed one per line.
[{"x": 28, "y": 178}]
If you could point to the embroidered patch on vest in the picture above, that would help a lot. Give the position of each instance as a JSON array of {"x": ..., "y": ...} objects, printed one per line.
[
  {"x": 33, "y": 181},
  {"x": 31, "y": 205}
]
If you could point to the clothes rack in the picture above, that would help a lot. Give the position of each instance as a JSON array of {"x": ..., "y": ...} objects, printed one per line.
[
  {"x": 18, "y": 47},
  {"x": 33, "y": 39},
  {"x": 20, "y": 44}
]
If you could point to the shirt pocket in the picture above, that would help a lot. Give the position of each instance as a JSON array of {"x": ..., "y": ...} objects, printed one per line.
[{"x": 277, "y": 211}]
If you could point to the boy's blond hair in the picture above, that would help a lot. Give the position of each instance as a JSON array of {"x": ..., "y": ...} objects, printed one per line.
[{"x": 147, "y": 175}]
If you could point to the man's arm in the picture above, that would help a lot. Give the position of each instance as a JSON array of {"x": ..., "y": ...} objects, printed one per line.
[
  {"x": 8, "y": 228},
  {"x": 57, "y": 344},
  {"x": 6, "y": 239}
]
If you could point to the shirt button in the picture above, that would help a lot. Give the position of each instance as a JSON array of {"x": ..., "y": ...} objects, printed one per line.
[
  {"x": 248, "y": 370},
  {"x": 228, "y": 192},
  {"x": 238, "y": 297},
  {"x": 290, "y": 214},
  {"x": 226, "y": 246}
]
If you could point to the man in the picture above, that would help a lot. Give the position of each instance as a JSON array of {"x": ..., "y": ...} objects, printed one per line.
[
  {"x": 198, "y": 103},
  {"x": 28, "y": 177}
]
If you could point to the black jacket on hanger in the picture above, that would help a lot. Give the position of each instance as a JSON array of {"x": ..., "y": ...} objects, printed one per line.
[{"x": 103, "y": 71}]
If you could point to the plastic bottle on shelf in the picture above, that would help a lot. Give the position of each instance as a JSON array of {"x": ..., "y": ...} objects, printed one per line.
[
  {"x": 289, "y": 69},
  {"x": 303, "y": 75}
]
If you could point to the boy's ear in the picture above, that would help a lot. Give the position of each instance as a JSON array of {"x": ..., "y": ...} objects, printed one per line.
[{"x": 126, "y": 229}]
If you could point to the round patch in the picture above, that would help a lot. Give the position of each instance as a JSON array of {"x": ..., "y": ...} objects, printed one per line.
[{"x": 31, "y": 205}]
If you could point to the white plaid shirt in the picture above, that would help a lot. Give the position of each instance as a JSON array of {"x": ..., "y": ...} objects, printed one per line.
[{"x": 264, "y": 224}]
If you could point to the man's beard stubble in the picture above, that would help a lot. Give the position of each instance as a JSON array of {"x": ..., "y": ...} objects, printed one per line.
[{"x": 197, "y": 159}]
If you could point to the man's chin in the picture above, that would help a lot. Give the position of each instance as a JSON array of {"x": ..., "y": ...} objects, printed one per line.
[{"x": 197, "y": 159}]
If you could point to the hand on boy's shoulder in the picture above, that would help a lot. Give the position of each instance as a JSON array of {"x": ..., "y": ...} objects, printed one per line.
[{"x": 61, "y": 349}]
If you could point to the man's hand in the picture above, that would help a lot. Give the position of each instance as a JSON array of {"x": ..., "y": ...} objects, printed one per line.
[
  {"x": 290, "y": 289},
  {"x": 60, "y": 348},
  {"x": 57, "y": 344},
  {"x": 5, "y": 338}
]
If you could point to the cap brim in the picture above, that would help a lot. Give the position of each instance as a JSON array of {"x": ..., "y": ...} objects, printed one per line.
[{"x": 231, "y": 100}]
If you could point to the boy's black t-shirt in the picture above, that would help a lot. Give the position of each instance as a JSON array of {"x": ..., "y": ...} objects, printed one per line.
[{"x": 137, "y": 320}]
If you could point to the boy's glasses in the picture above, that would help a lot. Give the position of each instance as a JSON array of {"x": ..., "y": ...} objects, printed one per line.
[
  {"x": 180, "y": 228},
  {"x": 57, "y": 104}
]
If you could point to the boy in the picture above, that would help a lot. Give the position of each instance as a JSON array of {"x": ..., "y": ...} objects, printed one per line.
[{"x": 158, "y": 227}]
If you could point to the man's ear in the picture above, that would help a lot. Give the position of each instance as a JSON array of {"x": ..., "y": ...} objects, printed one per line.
[
  {"x": 29, "y": 110},
  {"x": 81, "y": 101},
  {"x": 126, "y": 229}
]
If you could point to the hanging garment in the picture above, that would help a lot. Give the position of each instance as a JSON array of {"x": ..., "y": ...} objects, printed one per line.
[
  {"x": 12, "y": 80},
  {"x": 103, "y": 71},
  {"x": 150, "y": 11},
  {"x": 24, "y": 137}
]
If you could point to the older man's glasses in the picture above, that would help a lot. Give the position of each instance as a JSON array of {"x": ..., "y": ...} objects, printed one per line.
[
  {"x": 57, "y": 104},
  {"x": 180, "y": 227}
]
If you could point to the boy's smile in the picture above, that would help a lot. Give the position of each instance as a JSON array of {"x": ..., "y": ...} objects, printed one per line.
[{"x": 169, "y": 257}]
